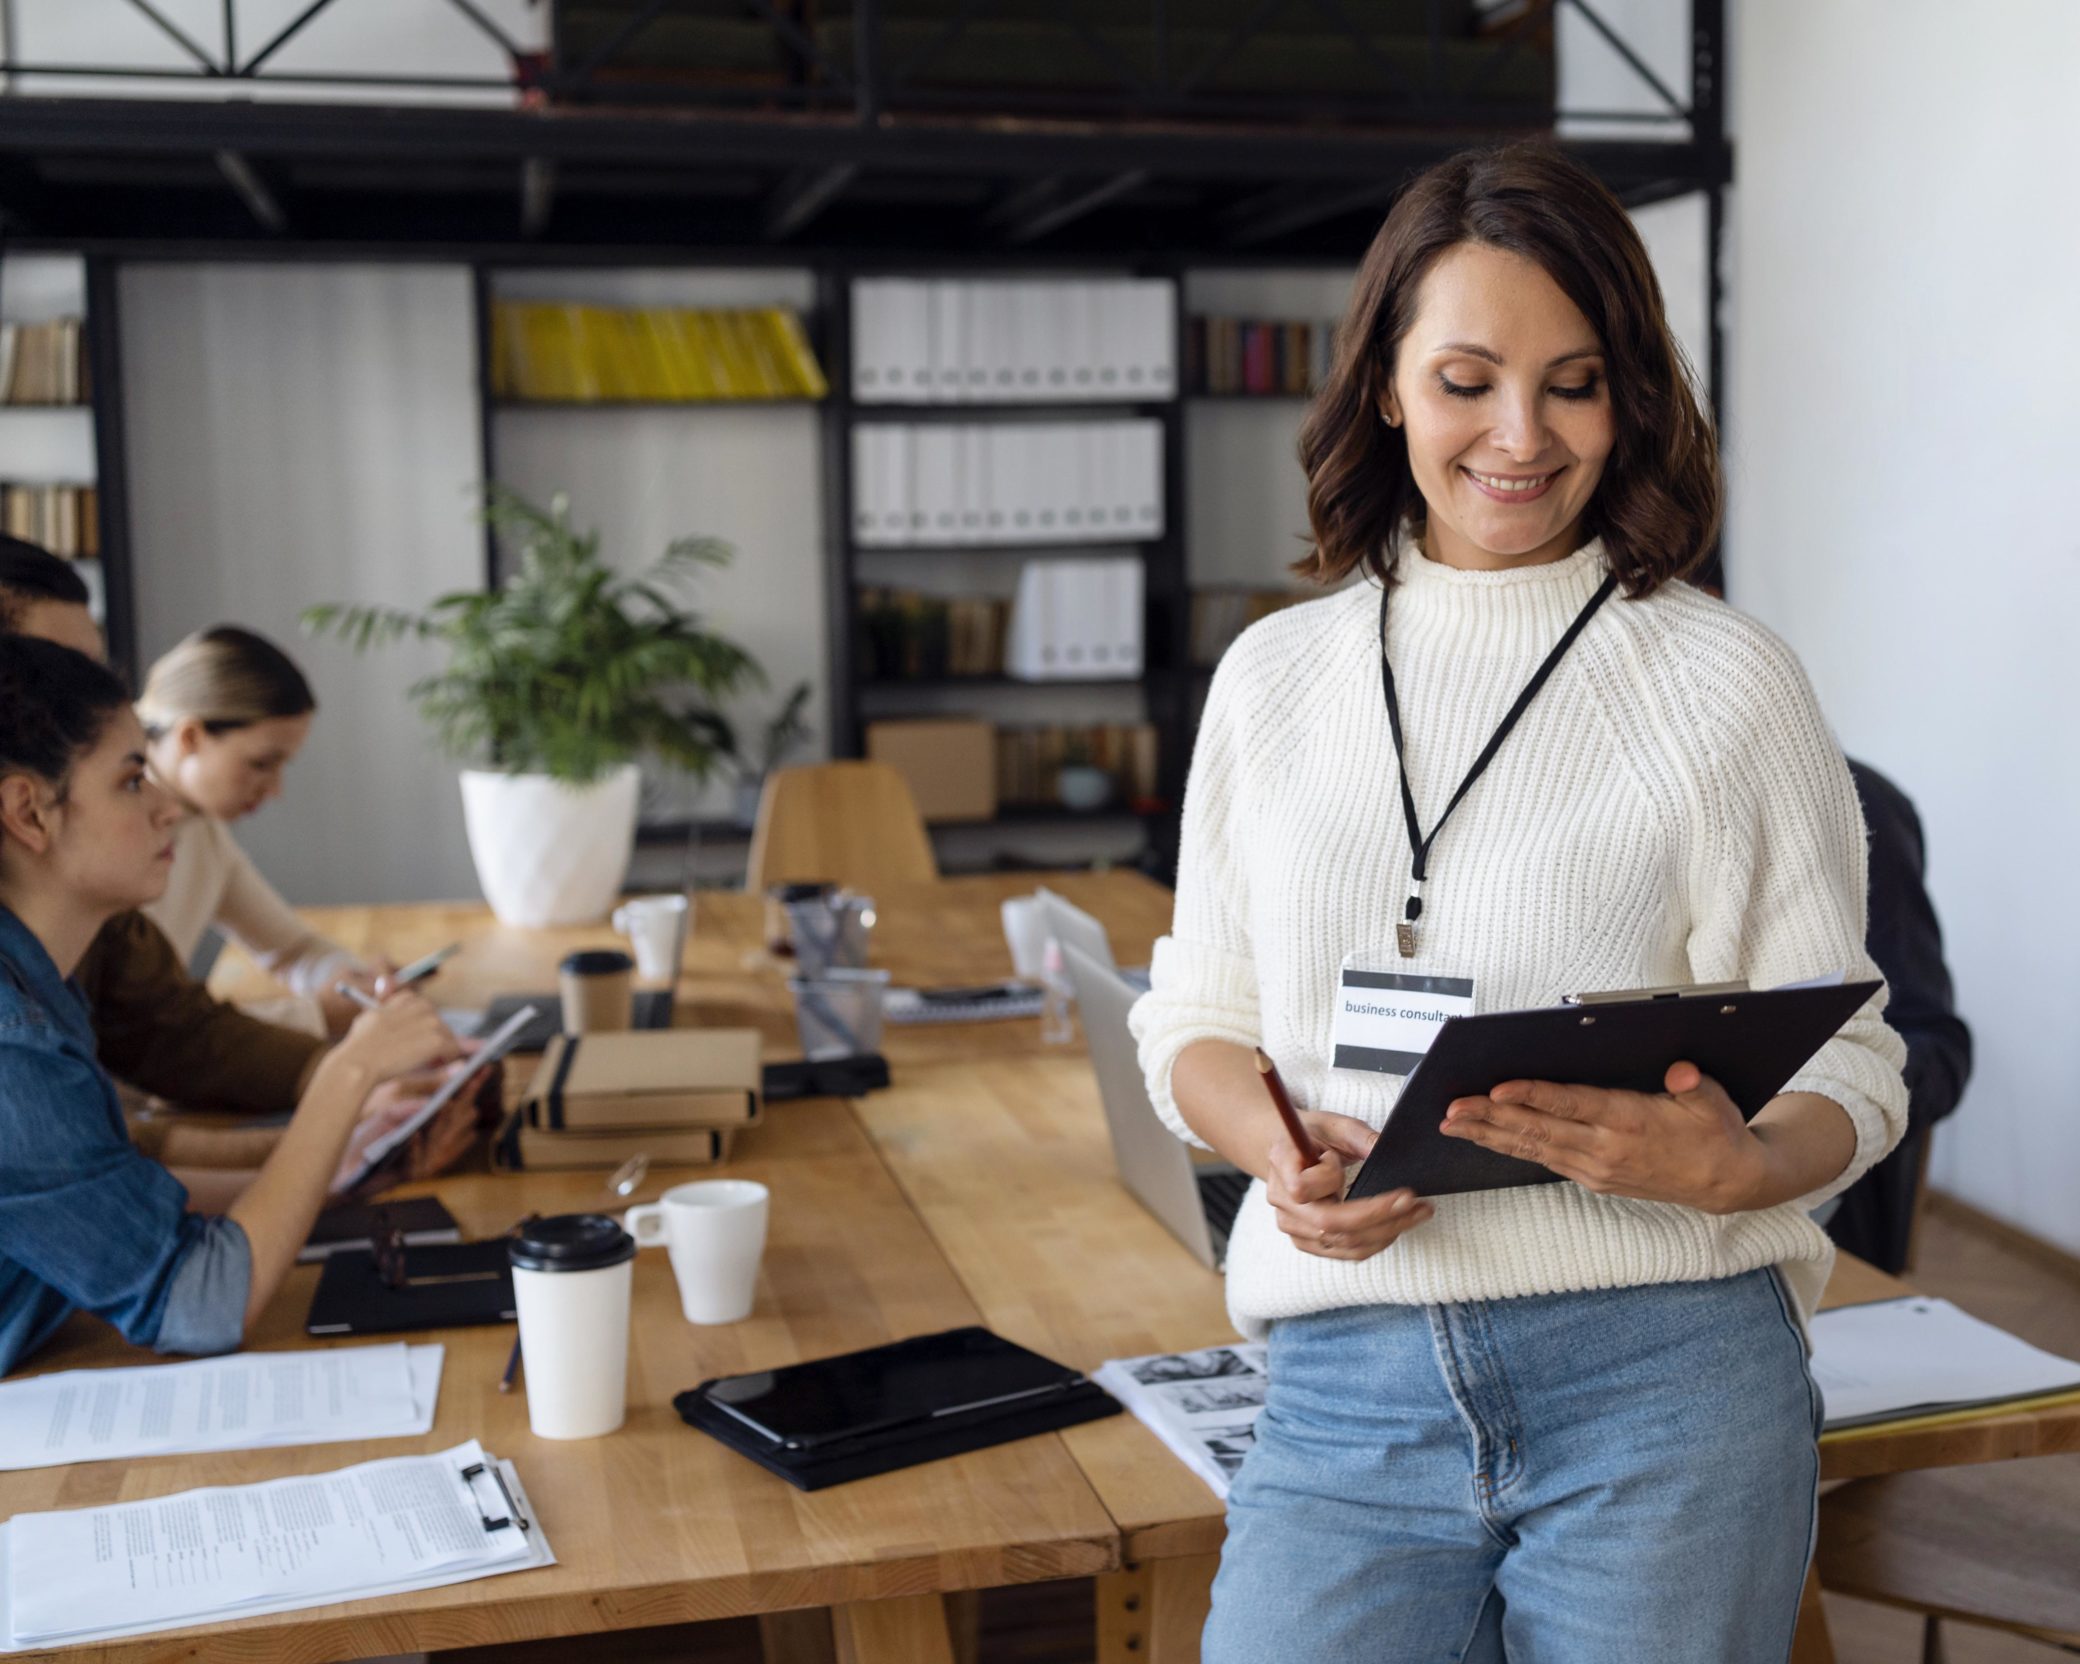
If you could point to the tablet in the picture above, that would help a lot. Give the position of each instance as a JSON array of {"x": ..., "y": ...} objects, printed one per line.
[
  {"x": 398, "y": 1136},
  {"x": 1750, "y": 1043}
]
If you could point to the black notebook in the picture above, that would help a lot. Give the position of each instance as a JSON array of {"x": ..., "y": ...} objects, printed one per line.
[
  {"x": 1750, "y": 1043},
  {"x": 445, "y": 1287},
  {"x": 890, "y": 1407}
]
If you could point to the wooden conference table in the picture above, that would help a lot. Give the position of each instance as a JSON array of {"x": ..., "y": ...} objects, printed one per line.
[{"x": 979, "y": 1188}]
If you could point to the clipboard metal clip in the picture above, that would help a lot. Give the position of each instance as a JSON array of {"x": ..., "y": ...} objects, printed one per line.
[
  {"x": 490, "y": 1471},
  {"x": 1676, "y": 991}
]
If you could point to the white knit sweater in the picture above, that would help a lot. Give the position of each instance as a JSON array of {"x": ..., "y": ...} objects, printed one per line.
[{"x": 1670, "y": 809}]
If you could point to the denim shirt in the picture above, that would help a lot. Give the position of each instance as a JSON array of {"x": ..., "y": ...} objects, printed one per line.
[{"x": 86, "y": 1222}]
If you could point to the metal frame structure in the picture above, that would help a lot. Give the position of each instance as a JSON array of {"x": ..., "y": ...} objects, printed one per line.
[{"x": 842, "y": 168}]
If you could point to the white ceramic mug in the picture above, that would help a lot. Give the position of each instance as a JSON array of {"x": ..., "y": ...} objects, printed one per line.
[
  {"x": 656, "y": 928},
  {"x": 715, "y": 1232}
]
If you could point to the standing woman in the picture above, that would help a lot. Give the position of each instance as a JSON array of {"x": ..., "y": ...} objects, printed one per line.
[
  {"x": 1576, "y": 1416},
  {"x": 87, "y": 1222},
  {"x": 226, "y": 712}
]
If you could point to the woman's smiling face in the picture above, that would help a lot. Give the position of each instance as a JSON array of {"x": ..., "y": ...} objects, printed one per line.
[{"x": 1499, "y": 388}]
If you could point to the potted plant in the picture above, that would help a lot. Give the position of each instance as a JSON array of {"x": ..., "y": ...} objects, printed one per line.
[
  {"x": 786, "y": 731},
  {"x": 557, "y": 681}
]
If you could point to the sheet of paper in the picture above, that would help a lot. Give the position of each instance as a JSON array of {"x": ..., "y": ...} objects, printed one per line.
[
  {"x": 1203, "y": 1405},
  {"x": 247, "y": 1401},
  {"x": 1899, "y": 1357},
  {"x": 411, "y": 1522}
]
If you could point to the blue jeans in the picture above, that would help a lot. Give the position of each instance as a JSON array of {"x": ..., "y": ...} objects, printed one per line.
[{"x": 1608, "y": 1477}]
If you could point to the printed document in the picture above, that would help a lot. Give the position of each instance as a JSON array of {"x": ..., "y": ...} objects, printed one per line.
[
  {"x": 411, "y": 1522},
  {"x": 1203, "y": 1405},
  {"x": 1916, "y": 1356},
  {"x": 246, "y": 1401}
]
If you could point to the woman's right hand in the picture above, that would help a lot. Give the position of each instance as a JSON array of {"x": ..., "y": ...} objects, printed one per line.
[
  {"x": 1308, "y": 1200},
  {"x": 404, "y": 1033}
]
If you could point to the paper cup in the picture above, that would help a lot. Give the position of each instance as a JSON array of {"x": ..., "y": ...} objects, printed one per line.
[{"x": 571, "y": 1277}]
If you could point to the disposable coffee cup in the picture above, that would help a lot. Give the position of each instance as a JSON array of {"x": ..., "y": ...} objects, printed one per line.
[
  {"x": 598, "y": 987},
  {"x": 656, "y": 928},
  {"x": 715, "y": 1232},
  {"x": 571, "y": 1277}
]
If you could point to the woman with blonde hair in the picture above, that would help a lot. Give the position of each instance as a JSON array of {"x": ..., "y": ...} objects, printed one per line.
[{"x": 224, "y": 715}]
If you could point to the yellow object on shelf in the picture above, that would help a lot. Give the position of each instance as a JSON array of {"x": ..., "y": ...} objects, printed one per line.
[{"x": 556, "y": 353}]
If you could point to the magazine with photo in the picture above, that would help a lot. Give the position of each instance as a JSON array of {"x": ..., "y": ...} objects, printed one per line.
[{"x": 1203, "y": 1405}]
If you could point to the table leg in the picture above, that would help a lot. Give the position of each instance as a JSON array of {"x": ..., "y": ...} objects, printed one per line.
[
  {"x": 1151, "y": 1612},
  {"x": 908, "y": 1629},
  {"x": 798, "y": 1637},
  {"x": 1813, "y": 1644}
]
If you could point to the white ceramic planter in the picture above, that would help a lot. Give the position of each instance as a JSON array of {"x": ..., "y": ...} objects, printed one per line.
[{"x": 547, "y": 853}]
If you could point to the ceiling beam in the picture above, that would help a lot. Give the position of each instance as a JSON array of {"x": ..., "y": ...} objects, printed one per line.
[
  {"x": 801, "y": 196},
  {"x": 261, "y": 202},
  {"x": 411, "y": 134}
]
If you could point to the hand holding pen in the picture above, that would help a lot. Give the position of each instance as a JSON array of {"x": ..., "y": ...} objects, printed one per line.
[{"x": 1306, "y": 1179}]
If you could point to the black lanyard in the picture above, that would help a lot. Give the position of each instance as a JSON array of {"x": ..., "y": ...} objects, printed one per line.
[{"x": 1418, "y": 845}]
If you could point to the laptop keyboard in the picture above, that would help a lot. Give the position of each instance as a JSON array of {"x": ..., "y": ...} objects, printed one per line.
[{"x": 1220, "y": 1194}]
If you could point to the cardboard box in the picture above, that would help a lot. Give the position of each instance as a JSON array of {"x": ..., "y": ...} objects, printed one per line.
[
  {"x": 645, "y": 1080},
  {"x": 526, "y": 1149},
  {"x": 949, "y": 763}
]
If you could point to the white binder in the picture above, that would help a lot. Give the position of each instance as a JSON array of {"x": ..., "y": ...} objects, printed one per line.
[
  {"x": 867, "y": 483},
  {"x": 1151, "y": 330},
  {"x": 1076, "y": 619},
  {"x": 935, "y": 515}
]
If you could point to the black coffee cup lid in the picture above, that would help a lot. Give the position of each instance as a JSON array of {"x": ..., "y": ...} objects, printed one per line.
[
  {"x": 596, "y": 962},
  {"x": 572, "y": 1242}
]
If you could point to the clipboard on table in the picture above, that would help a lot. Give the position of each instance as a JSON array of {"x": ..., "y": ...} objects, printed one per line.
[{"x": 1750, "y": 1042}]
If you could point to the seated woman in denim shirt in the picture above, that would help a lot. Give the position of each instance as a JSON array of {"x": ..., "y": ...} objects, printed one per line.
[{"x": 86, "y": 1222}]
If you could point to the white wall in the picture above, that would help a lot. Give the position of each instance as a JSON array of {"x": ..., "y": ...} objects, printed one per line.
[
  {"x": 1902, "y": 440},
  {"x": 301, "y": 434}
]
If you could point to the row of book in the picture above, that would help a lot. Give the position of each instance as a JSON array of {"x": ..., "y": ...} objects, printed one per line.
[
  {"x": 65, "y": 519},
  {"x": 1030, "y": 760},
  {"x": 44, "y": 363},
  {"x": 1220, "y": 615},
  {"x": 1245, "y": 355},
  {"x": 560, "y": 353},
  {"x": 1034, "y": 341},
  {"x": 954, "y": 484},
  {"x": 905, "y": 636}
]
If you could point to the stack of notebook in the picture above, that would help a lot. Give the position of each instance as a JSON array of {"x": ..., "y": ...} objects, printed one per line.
[{"x": 676, "y": 1096}]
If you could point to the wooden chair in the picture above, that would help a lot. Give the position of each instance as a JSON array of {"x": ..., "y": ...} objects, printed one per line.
[
  {"x": 849, "y": 823},
  {"x": 1996, "y": 1545}
]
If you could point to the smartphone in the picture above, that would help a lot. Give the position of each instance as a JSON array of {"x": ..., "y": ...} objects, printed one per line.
[{"x": 420, "y": 969}]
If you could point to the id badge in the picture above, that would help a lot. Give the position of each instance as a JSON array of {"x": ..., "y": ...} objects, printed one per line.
[{"x": 1386, "y": 1019}]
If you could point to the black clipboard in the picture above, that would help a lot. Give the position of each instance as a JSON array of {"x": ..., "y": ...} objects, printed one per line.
[{"x": 1750, "y": 1043}]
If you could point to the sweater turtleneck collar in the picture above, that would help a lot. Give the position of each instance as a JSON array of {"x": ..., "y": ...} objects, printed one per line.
[{"x": 1516, "y": 609}]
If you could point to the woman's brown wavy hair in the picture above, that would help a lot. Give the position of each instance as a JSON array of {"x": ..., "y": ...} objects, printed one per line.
[{"x": 1658, "y": 503}]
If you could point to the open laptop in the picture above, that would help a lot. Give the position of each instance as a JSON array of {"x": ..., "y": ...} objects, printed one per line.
[
  {"x": 1074, "y": 928},
  {"x": 1195, "y": 1201}
]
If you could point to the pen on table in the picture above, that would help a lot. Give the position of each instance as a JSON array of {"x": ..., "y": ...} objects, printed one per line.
[
  {"x": 367, "y": 1002},
  {"x": 505, "y": 1381},
  {"x": 1310, "y": 1151}
]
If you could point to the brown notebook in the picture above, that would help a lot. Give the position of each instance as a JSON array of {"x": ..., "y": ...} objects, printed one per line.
[{"x": 671, "y": 1079}]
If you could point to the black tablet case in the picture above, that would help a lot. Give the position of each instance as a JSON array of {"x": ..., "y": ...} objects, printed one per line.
[
  {"x": 839, "y": 1461},
  {"x": 352, "y": 1299},
  {"x": 1750, "y": 1043}
]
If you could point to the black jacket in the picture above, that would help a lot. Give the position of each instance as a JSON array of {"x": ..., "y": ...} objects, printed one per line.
[{"x": 1877, "y": 1211}]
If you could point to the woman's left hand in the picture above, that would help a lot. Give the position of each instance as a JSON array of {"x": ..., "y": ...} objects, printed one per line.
[{"x": 1687, "y": 1144}]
